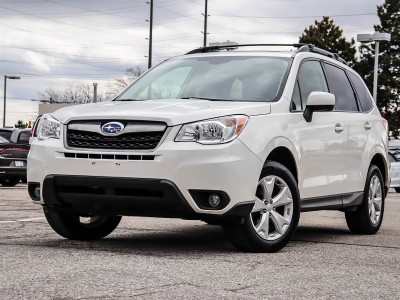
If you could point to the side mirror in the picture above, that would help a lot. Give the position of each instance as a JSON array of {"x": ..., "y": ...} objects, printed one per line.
[{"x": 318, "y": 101}]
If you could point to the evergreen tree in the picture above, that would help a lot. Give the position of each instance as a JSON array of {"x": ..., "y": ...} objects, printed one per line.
[
  {"x": 389, "y": 65},
  {"x": 326, "y": 35},
  {"x": 21, "y": 124}
]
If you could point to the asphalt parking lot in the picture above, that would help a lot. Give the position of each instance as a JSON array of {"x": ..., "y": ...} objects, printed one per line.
[{"x": 176, "y": 259}]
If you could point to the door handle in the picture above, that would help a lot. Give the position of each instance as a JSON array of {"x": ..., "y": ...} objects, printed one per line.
[
  {"x": 367, "y": 126},
  {"x": 339, "y": 128}
]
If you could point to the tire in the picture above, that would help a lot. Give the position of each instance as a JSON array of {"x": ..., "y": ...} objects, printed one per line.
[
  {"x": 278, "y": 187},
  {"x": 397, "y": 190},
  {"x": 367, "y": 219},
  {"x": 71, "y": 227},
  {"x": 9, "y": 181}
]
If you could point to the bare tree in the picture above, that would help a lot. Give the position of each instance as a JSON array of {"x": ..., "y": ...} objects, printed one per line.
[
  {"x": 73, "y": 93},
  {"x": 83, "y": 93},
  {"x": 121, "y": 83}
]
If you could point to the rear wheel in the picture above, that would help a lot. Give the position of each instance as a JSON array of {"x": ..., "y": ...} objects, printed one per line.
[
  {"x": 74, "y": 227},
  {"x": 367, "y": 219},
  {"x": 397, "y": 190},
  {"x": 9, "y": 181},
  {"x": 275, "y": 215}
]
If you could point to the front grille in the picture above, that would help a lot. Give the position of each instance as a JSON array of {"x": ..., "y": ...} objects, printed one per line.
[{"x": 126, "y": 141}]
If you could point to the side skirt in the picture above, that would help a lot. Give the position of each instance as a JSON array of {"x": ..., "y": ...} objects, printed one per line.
[{"x": 334, "y": 202}]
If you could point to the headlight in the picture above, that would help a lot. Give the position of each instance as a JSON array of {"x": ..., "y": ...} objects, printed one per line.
[
  {"x": 214, "y": 131},
  {"x": 48, "y": 127}
]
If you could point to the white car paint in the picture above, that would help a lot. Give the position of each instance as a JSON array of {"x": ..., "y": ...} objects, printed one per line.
[
  {"x": 394, "y": 172},
  {"x": 328, "y": 162}
]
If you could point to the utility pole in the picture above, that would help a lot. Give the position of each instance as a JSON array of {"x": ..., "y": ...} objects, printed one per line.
[
  {"x": 205, "y": 23},
  {"x": 150, "y": 34},
  {"x": 94, "y": 92}
]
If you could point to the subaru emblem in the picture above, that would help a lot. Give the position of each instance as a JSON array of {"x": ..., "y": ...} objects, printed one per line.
[{"x": 112, "y": 128}]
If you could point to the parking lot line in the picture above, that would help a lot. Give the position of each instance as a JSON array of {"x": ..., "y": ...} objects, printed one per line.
[{"x": 22, "y": 220}]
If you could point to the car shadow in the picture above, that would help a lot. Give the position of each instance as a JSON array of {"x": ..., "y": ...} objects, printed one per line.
[
  {"x": 194, "y": 240},
  {"x": 187, "y": 241}
]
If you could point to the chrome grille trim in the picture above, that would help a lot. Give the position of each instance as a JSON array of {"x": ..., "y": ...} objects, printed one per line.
[
  {"x": 147, "y": 126},
  {"x": 131, "y": 127},
  {"x": 107, "y": 156}
]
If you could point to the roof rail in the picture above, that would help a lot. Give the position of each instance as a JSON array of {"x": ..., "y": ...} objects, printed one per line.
[
  {"x": 233, "y": 46},
  {"x": 312, "y": 48},
  {"x": 301, "y": 48}
]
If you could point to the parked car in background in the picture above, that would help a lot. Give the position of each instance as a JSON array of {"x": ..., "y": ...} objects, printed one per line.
[
  {"x": 20, "y": 136},
  {"x": 394, "y": 144},
  {"x": 12, "y": 162},
  {"x": 7, "y": 132},
  {"x": 394, "y": 158}
]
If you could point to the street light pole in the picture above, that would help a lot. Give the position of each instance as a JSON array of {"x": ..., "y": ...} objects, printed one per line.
[
  {"x": 4, "y": 101},
  {"x": 375, "y": 91},
  {"x": 375, "y": 37},
  {"x": 5, "y": 96}
]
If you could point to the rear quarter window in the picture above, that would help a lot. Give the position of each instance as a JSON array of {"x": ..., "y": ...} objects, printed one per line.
[{"x": 362, "y": 92}]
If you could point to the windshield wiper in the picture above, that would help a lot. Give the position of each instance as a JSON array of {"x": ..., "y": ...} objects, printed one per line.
[{"x": 208, "y": 99}]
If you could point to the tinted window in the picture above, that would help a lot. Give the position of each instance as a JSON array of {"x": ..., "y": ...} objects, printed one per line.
[
  {"x": 3, "y": 140},
  {"x": 24, "y": 137},
  {"x": 362, "y": 92},
  {"x": 340, "y": 86},
  {"x": 311, "y": 79},
  {"x": 6, "y": 134},
  {"x": 395, "y": 153}
]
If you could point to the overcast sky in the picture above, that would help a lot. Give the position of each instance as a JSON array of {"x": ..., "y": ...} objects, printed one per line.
[{"x": 53, "y": 43}]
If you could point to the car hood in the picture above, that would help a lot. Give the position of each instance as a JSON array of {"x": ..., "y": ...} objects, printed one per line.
[{"x": 172, "y": 112}]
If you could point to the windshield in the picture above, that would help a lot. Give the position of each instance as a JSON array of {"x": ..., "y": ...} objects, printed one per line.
[{"x": 236, "y": 78}]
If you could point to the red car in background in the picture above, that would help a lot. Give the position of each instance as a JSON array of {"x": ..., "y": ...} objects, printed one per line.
[{"x": 13, "y": 154}]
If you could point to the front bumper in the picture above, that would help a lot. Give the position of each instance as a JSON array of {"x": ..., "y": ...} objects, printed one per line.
[
  {"x": 231, "y": 168},
  {"x": 122, "y": 196}
]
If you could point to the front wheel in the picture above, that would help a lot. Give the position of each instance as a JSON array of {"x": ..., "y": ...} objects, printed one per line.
[
  {"x": 367, "y": 219},
  {"x": 74, "y": 227},
  {"x": 273, "y": 221}
]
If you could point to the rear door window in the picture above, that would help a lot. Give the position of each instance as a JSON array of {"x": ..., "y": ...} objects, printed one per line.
[
  {"x": 363, "y": 95},
  {"x": 340, "y": 86}
]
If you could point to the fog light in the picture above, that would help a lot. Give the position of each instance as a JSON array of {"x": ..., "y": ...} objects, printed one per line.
[
  {"x": 214, "y": 200},
  {"x": 36, "y": 192}
]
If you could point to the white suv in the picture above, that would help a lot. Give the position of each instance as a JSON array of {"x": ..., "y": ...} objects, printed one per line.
[{"x": 247, "y": 139}]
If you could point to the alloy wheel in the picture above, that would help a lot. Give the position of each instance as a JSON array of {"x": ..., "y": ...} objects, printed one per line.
[
  {"x": 273, "y": 209},
  {"x": 375, "y": 199}
]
